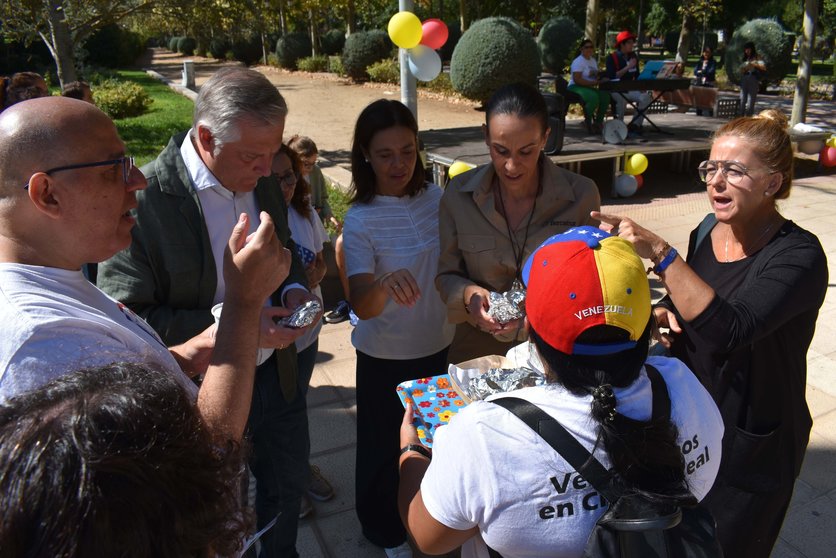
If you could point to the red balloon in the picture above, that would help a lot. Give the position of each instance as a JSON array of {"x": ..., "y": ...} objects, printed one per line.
[
  {"x": 827, "y": 157},
  {"x": 639, "y": 181},
  {"x": 435, "y": 33}
]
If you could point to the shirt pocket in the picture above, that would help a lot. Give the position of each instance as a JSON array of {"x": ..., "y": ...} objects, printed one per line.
[{"x": 479, "y": 255}]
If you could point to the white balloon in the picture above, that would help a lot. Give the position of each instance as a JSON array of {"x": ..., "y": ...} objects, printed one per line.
[
  {"x": 626, "y": 185},
  {"x": 424, "y": 63}
]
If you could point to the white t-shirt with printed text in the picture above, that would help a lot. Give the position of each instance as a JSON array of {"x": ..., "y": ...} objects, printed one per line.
[{"x": 490, "y": 470}]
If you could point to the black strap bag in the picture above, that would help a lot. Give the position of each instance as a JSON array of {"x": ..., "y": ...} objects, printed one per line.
[{"x": 632, "y": 527}]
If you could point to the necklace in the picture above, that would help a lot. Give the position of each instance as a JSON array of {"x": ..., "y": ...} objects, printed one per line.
[
  {"x": 754, "y": 244},
  {"x": 518, "y": 256}
]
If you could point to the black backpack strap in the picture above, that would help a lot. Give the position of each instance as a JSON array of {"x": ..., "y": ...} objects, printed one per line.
[
  {"x": 562, "y": 442},
  {"x": 704, "y": 228}
]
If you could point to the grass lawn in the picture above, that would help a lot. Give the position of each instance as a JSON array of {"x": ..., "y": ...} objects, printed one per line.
[{"x": 170, "y": 113}]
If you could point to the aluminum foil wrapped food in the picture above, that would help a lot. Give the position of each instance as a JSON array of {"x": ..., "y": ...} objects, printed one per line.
[
  {"x": 303, "y": 316},
  {"x": 501, "y": 380},
  {"x": 508, "y": 306}
]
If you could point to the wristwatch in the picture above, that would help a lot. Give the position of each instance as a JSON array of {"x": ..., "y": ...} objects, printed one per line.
[{"x": 418, "y": 448}]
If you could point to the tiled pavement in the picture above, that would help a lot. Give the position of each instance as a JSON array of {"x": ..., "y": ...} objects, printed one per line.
[{"x": 810, "y": 528}]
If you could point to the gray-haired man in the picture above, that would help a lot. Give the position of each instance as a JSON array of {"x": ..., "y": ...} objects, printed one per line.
[{"x": 170, "y": 275}]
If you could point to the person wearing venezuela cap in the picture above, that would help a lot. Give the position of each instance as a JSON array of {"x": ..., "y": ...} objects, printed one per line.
[{"x": 492, "y": 481}]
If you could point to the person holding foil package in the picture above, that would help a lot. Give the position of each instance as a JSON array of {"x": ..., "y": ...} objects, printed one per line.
[
  {"x": 391, "y": 253},
  {"x": 741, "y": 312},
  {"x": 308, "y": 236},
  {"x": 492, "y": 217},
  {"x": 492, "y": 480}
]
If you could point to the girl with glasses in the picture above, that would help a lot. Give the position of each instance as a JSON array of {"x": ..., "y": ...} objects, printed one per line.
[{"x": 309, "y": 236}]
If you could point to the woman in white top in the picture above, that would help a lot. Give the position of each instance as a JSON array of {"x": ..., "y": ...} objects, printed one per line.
[
  {"x": 493, "y": 480},
  {"x": 391, "y": 255},
  {"x": 584, "y": 82}
]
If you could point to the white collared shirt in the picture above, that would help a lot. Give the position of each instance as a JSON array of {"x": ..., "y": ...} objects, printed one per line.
[{"x": 221, "y": 208}]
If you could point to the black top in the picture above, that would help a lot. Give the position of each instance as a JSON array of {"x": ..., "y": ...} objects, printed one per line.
[{"x": 749, "y": 346}]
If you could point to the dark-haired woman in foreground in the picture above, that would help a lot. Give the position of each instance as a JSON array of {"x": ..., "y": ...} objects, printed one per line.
[
  {"x": 493, "y": 216},
  {"x": 391, "y": 255},
  {"x": 741, "y": 314},
  {"x": 493, "y": 477},
  {"x": 116, "y": 461}
]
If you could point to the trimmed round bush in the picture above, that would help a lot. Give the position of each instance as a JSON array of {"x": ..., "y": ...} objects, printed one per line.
[
  {"x": 364, "y": 49},
  {"x": 493, "y": 52},
  {"x": 218, "y": 48},
  {"x": 332, "y": 42},
  {"x": 772, "y": 43},
  {"x": 121, "y": 99},
  {"x": 186, "y": 45},
  {"x": 558, "y": 41},
  {"x": 172, "y": 43},
  {"x": 247, "y": 49},
  {"x": 292, "y": 47}
]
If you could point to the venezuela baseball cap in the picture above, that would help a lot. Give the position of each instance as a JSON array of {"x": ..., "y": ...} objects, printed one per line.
[{"x": 583, "y": 278}]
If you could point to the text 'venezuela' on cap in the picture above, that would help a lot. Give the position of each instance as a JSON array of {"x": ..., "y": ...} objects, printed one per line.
[{"x": 583, "y": 278}]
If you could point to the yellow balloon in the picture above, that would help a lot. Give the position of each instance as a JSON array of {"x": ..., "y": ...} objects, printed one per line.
[
  {"x": 831, "y": 141},
  {"x": 405, "y": 29},
  {"x": 457, "y": 168},
  {"x": 636, "y": 164}
]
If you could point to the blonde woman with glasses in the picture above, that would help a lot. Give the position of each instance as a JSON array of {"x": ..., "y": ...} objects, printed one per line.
[{"x": 741, "y": 313}]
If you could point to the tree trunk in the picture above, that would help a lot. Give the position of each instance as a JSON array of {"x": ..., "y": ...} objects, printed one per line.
[
  {"x": 592, "y": 11},
  {"x": 805, "y": 63},
  {"x": 684, "y": 39},
  {"x": 314, "y": 37},
  {"x": 350, "y": 20},
  {"x": 282, "y": 19},
  {"x": 463, "y": 14},
  {"x": 60, "y": 43}
]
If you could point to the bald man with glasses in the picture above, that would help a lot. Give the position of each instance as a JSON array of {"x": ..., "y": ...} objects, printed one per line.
[{"x": 67, "y": 189}]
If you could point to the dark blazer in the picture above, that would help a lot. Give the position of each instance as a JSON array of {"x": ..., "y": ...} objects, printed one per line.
[{"x": 167, "y": 275}]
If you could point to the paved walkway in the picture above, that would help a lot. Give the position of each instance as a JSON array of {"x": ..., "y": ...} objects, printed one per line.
[{"x": 810, "y": 527}]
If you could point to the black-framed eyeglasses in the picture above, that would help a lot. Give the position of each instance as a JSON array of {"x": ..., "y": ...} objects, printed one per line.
[
  {"x": 126, "y": 162},
  {"x": 733, "y": 171}
]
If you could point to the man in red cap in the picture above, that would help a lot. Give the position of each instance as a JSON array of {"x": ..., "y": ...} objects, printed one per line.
[{"x": 623, "y": 65}]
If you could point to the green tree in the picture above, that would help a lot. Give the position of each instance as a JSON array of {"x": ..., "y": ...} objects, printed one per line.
[{"x": 63, "y": 24}]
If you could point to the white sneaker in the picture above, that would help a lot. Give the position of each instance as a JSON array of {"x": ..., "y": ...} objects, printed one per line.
[{"x": 402, "y": 551}]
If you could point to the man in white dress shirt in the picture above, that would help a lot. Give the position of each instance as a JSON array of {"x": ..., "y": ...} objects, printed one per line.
[{"x": 170, "y": 275}]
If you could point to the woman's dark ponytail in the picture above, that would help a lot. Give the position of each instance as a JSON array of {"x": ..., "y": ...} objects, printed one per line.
[{"x": 645, "y": 456}]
